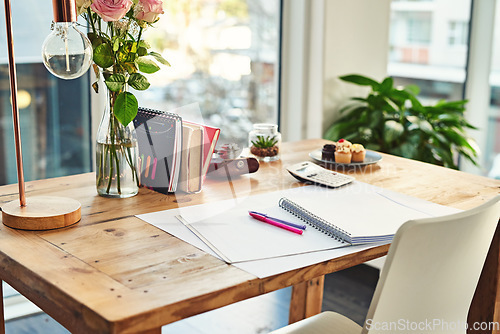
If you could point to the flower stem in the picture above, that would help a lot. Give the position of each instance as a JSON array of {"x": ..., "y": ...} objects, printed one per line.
[
  {"x": 89, "y": 13},
  {"x": 100, "y": 169},
  {"x": 111, "y": 170}
]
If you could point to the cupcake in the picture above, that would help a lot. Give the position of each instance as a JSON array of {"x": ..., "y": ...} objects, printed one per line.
[
  {"x": 328, "y": 152},
  {"x": 358, "y": 153},
  {"x": 343, "y": 153}
]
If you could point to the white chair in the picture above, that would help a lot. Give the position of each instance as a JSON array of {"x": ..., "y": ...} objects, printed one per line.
[{"x": 428, "y": 280}]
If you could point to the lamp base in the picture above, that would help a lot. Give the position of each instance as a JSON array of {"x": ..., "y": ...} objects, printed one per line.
[{"x": 41, "y": 213}]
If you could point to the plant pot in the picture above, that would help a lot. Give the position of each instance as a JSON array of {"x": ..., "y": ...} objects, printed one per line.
[{"x": 265, "y": 141}]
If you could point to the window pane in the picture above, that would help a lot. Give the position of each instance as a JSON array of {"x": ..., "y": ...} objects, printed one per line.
[
  {"x": 458, "y": 32},
  {"x": 492, "y": 152},
  {"x": 224, "y": 56},
  {"x": 423, "y": 46},
  {"x": 54, "y": 113}
]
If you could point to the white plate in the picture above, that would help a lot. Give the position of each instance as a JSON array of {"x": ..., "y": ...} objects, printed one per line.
[{"x": 371, "y": 157}]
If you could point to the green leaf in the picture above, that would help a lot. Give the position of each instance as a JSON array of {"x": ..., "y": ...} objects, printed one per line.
[
  {"x": 116, "y": 44},
  {"x": 133, "y": 48},
  {"x": 339, "y": 130},
  {"x": 413, "y": 89},
  {"x": 405, "y": 150},
  {"x": 142, "y": 51},
  {"x": 116, "y": 82},
  {"x": 398, "y": 96},
  {"x": 95, "y": 39},
  {"x": 392, "y": 130},
  {"x": 360, "y": 80},
  {"x": 159, "y": 58},
  {"x": 415, "y": 103},
  {"x": 144, "y": 44},
  {"x": 138, "y": 81},
  {"x": 129, "y": 67},
  {"x": 452, "y": 104},
  {"x": 374, "y": 147},
  {"x": 103, "y": 55},
  {"x": 147, "y": 65},
  {"x": 420, "y": 124},
  {"x": 376, "y": 118},
  {"x": 125, "y": 107},
  {"x": 386, "y": 85}
]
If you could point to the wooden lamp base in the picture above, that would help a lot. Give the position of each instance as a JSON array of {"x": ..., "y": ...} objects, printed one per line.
[{"x": 41, "y": 213}]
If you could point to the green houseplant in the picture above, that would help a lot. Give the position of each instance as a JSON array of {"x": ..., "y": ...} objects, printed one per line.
[{"x": 393, "y": 120}]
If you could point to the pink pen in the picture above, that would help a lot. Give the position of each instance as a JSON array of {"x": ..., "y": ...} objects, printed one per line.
[{"x": 275, "y": 223}]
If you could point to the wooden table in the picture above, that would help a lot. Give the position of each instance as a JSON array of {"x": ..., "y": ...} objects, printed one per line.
[{"x": 114, "y": 273}]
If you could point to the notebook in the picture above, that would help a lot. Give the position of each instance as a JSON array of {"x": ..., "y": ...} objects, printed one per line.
[
  {"x": 355, "y": 218},
  {"x": 159, "y": 137}
]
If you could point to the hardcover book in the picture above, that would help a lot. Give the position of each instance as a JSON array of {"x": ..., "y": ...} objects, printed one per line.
[
  {"x": 210, "y": 137},
  {"x": 192, "y": 158}
]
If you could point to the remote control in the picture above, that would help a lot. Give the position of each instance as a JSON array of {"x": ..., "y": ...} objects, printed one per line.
[{"x": 310, "y": 172}]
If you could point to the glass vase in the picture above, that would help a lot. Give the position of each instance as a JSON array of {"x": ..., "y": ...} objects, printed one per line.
[
  {"x": 265, "y": 141},
  {"x": 116, "y": 155}
]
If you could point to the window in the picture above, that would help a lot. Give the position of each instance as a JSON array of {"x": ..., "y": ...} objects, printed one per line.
[
  {"x": 492, "y": 149},
  {"x": 458, "y": 32},
  {"x": 224, "y": 56},
  {"x": 419, "y": 30},
  {"x": 443, "y": 77},
  {"x": 438, "y": 69},
  {"x": 410, "y": 35},
  {"x": 54, "y": 113}
]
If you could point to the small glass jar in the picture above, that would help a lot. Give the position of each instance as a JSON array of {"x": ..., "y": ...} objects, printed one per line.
[{"x": 265, "y": 142}]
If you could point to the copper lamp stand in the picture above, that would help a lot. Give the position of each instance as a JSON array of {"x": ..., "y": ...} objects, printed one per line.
[{"x": 41, "y": 212}]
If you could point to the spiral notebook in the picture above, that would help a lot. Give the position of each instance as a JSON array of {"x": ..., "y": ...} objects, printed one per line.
[
  {"x": 361, "y": 212},
  {"x": 359, "y": 222},
  {"x": 159, "y": 136}
]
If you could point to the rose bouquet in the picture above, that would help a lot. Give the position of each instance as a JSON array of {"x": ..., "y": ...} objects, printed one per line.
[{"x": 121, "y": 57}]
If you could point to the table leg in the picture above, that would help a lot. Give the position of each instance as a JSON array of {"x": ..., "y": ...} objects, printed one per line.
[
  {"x": 2, "y": 318},
  {"x": 307, "y": 298},
  {"x": 487, "y": 296}
]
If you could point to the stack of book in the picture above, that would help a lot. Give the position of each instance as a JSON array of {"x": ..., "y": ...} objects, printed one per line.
[
  {"x": 198, "y": 145},
  {"x": 174, "y": 155}
]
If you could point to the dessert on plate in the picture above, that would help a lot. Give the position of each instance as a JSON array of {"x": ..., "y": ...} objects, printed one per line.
[
  {"x": 343, "y": 152},
  {"x": 358, "y": 153},
  {"x": 328, "y": 152}
]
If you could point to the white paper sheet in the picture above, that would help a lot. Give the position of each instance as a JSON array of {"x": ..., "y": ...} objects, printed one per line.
[
  {"x": 213, "y": 218},
  {"x": 259, "y": 268}
]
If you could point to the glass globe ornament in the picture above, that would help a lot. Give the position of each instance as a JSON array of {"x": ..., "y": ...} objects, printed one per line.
[{"x": 66, "y": 52}]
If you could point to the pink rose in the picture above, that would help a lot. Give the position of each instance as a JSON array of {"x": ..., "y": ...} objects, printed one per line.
[
  {"x": 111, "y": 10},
  {"x": 148, "y": 10}
]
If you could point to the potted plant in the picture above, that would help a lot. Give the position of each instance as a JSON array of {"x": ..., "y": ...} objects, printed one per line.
[
  {"x": 392, "y": 120},
  {"x": 264, "y": 146}
]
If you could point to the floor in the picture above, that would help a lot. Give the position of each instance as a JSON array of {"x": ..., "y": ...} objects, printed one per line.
[{"x": 348, "y": 292}]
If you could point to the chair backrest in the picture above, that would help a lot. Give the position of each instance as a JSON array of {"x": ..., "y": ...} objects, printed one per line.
[{"x": 431, "y": 273}]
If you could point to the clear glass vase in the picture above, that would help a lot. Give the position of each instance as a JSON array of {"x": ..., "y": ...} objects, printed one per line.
[
  {"x": 265, "y": 142},
  {"x": 116, "y": 155}
]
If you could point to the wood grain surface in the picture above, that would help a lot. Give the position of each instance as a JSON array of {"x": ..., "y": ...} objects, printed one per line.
[
  {"x": 114, "y": 273},
  {"x": 41, "y": 213}
]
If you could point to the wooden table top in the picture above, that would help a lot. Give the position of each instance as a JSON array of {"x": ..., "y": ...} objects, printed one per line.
[{"x": 112, "y": 272}]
